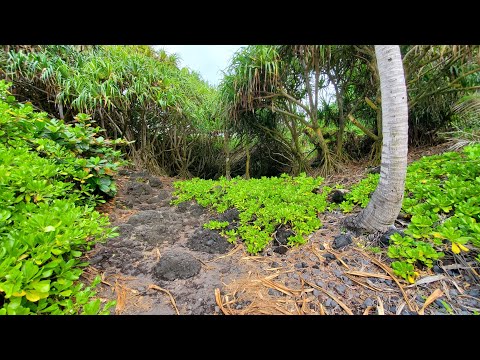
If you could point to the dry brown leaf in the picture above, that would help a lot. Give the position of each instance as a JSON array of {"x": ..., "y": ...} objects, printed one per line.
[
  {"x": 230, "y": 253},
  {"x": 339, "y": 302},
  {"x": 389, "y": 272},
  {"x": 121, "y": 298},
  {"x": 380, "y": 309},
  {"x": 433, "y": 296},
  {"x": 172, "y": 300},
  {"x": 374, "y": 288},
  {"x": 367, "y": 310},
  {"x": 322, "y": 310},
  {"x": 366, "y": 274}
]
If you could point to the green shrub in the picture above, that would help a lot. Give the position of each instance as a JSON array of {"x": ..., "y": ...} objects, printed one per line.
[
  {"x": 443, "y": 202},
  {"x": 51, "y": 177},
  {"x": 263, "y": 204}
]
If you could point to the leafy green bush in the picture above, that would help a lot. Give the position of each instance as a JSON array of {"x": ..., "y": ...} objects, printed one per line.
[
  {"x": 50, "y": 181},
  {"x": 263, "y": 204},
  {"x": 443, "y": 202}
]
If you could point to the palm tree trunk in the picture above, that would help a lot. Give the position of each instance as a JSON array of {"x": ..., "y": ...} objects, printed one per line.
[{"x": 386, "y": 201}]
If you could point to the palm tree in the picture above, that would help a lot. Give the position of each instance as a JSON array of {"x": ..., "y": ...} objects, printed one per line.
[{"x": 386, "y": 201}]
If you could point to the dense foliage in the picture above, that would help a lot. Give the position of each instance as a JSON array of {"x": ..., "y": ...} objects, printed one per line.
[
  {"x": 443, "y": 204},
  {"x": 51, "y": 177},
  {"x": 264, "y": 205}
]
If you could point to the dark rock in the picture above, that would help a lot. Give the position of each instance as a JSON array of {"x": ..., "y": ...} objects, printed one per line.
[
  {"x": 374, "y": 170},
  {"x": 209, "y": 241},
  {"x": 153, "y": 200},
  {"x": 96, "y": 259},
  {"x": 143, "y": 174},
  {"x": 298, "y": 265},
  {"x": 392, "y": 309},
  {"x": 176, "y": 265},
  {"x": 163, "y": 194},
  {"x": 197, "y": 210},
  {"x": 337, "y": 195},
  {"x": 282, "y": 249},
  {"x": 340, "y": 289},
  {"x": 274, "y": 264},
  {"x": 453, "y": 272},
  {"x": 329, "y": 256},
  {"x": 389, "y": 282},
  {"x": 474, "y": 292},
  {"x": 229, "y": 215},
  {"x": 182, "y": 207},
  {"x": 453, "y": 292},
  {"x": 145, "y": 217},
  {"x": 155, "y": 182},
  {"x": 282, "y": 235},
  {"x": 385, "y": 238},
  {"x": 137, "y": 189},
  {"x": 321, "y": 247},
  {"x": 368, "y": 302},
  {"x": 330, "y": 303},
  {"x": 341, "y": 241}
]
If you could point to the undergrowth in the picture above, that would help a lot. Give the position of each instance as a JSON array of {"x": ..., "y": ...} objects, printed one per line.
[
  {"x": 442, "y": 201},
  {"x": 51, "y": 177},
  {"x": 264, "y": 204}
]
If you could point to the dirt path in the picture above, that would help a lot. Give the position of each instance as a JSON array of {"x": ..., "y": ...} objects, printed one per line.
[{"x": 164, "y": 262}]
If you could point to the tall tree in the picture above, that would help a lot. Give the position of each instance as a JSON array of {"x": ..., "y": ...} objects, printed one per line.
[{"x": 386, "y": 201}]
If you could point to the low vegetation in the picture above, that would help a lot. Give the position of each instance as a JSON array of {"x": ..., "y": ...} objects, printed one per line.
[{"x": 51, "y": 177}]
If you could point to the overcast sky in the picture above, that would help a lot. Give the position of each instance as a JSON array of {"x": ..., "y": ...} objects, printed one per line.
[{"x": 208, "y": 60}]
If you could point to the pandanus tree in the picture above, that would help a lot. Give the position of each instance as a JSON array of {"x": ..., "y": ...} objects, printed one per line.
[{"x": 286, "y": 80}]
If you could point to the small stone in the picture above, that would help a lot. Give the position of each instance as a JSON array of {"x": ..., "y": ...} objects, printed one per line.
[
  {"x": 96, "y": 259},
  {"x": 368, "y": 302},
  {"x": 474, "y": 292},
  {"x": 273, "y": 292},
  {"x": 337, "y": 273},
  {"x": 374, "y": 170},
  {"x": 209, "y": 242},
  {"x": 155, "y": 182},
  {"x": 304, "y": 265},
  {"x": 340, "y": 289},
  {"x": 420, "y": 299},
  {"x": 330, "y": 303},
  {"x": 295, "y": 276},
  {"x": 389, "y": 282},
  {"x": 274, "y": 264},
  {"x": 465, "y": 312},
  {"x": 453, "y": 292},
  {"x": 316, "y": 271},
  {"x": 298, "y": 265},
  {"x": 329, "y": 256},
  {"x": 453, "y": 272},
  {"x": 385, "y": 238},
  {"x": 238, "y": 307},
  {"x": 341, "y": 241},
  {"x": 217, "y": 309},
  {"x": 280, "y": 249},
  {"x": 337, "y": 195},
  {"x": 320, "y": 283},
  {"x": 316, "y": 292},
  {"x": 321, "y": 247},
  {"x": 437, "y": 269},
  {"x": 315, "y": 266},
  {"x": 392, "y": 309}
]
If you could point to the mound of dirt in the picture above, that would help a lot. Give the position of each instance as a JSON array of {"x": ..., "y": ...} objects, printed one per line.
[{"x": 176, "y": 265}]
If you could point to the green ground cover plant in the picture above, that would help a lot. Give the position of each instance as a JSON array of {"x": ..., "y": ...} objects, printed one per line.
[{"x": 52, "y": 175}]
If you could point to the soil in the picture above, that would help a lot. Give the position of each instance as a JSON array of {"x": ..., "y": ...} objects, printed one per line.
[{"x": 165, "y": 263}]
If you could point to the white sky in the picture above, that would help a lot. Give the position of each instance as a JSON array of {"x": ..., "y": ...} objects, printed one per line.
[{"x": 208, "y": 60}]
